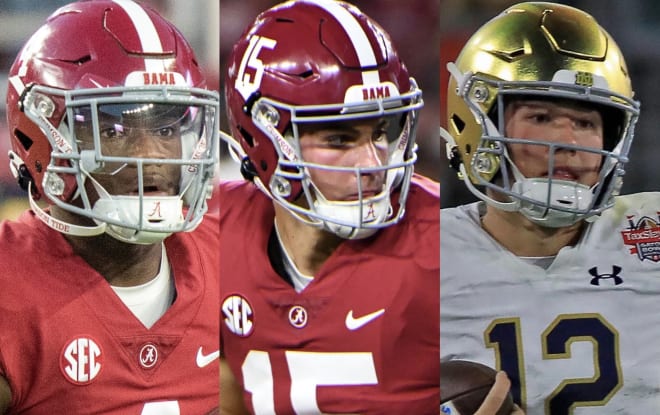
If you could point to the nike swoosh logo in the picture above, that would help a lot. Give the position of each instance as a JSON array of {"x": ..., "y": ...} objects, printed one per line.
[
  {"x": 353, "y": 323},
  {"x": 206, "y": 359}
]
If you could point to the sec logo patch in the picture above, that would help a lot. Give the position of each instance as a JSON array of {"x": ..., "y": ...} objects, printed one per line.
[
  {"x": 81, "y": 360},
  {"x": 238, "y": 315}
]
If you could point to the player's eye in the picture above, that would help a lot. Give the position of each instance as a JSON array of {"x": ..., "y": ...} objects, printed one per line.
[
  {"x": 539, "y": 117},
  {"x": 114, "y": 132},
  {"x": 379, "y": 135},
  {"x": 585, "y": 123},
  {"x": 338, "y": 140},
  {"x": 164, "y": 132}
]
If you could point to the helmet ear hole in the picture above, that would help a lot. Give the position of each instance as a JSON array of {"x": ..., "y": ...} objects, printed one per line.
[
  {"x": 246, "y": 136},
  {"x": 457, "y": 123},
  {"x": 25, "y": 141},
  {"x": 613, "y": 125}
]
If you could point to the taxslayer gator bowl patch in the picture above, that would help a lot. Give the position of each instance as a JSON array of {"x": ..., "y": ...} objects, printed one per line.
[{"x": 643, "y": 236}]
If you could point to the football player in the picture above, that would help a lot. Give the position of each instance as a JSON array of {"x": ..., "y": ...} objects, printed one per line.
[
  {"x": 329, "y": 252},
  {"x": 109, "y": 298},
  {"x": 550, "y": 275}
]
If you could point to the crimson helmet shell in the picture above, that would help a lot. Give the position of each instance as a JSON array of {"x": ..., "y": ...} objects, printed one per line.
[
  {"x": 299, "y": 54},
  {"x": 88, "y": 44}
]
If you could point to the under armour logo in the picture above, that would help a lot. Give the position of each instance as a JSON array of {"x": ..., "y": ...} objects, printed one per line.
[{"x": 614, "y": 275}]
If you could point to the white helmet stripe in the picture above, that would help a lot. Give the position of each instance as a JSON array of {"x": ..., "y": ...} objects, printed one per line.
[
  {"x": 361, "y": 44},
  {"x": 146, "y": 32}
]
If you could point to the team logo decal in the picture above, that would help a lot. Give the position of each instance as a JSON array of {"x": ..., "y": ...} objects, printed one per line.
[
  {"x": 81, "y": 360},
  {"x": 155, "y": 211},
  {"x": 148, "y": 356},
  {"x": 370, "y": 93},
  {"x": 584, "y": 79},
  {"x": 238, "y": 316},
  {"x": 644, "y": 237},
  {"x": 154, "y": 78},
  {"x": 371, "y": 211},
  {"x": 298, "y": 316}
]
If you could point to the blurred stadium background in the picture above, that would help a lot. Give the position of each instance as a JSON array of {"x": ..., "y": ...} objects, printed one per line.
[{"x": 427, "y": 33}]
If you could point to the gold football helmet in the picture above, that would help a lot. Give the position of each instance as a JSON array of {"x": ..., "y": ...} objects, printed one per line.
[{"x": 541, "y": 50}]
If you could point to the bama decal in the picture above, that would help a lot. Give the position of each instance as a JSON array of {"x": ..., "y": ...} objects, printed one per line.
[
  {"x": 367, "y": 93},
  {"x": 154, "y": 78},
  {"x": 81, "y": 360},
  {"x": 643, "y": 236}
]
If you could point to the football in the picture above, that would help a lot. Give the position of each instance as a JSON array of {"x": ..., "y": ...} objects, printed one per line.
[{"x": 464, "y": 385}]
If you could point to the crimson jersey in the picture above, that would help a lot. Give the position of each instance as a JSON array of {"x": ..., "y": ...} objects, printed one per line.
[
  {"x": 69, "y": 345},
  {"x": 362, "y": 337}
]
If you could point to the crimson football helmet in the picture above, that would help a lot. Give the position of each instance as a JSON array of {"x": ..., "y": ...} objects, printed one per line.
[
  {"x": 110, "y": 119},
  {"x": 543, "y": 51},
  {"x": 318, "y": 61}
]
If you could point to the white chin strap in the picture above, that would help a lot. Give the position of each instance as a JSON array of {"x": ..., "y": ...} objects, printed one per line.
[
  {"x": 61, "y": 226},
  {"x": 561, "y": 194},
  {"x": 347, "y": 219}
]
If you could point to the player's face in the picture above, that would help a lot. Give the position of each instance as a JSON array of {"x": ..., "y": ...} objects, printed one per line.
[
  {"x": 359, "y": 143},
  {"x": 557, "y": 123},
  {"x": 146, "y": 137}
]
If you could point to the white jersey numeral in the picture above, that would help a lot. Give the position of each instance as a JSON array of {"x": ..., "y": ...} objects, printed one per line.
[
  {"x": 161, "y": 408},
  {"x": 308, "y": 370},
  {"x": 244, "y": 84}
]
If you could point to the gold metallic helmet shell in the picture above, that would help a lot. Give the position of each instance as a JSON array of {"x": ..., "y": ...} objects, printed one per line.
[
  {"x": 530, "y": 42},
  {"x": 539, "y": 49}
]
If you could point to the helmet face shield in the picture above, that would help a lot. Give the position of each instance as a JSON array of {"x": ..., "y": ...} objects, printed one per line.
[
  {"x": 143, "y": 159},
  {"x": 349, "y": 195},
  {"x": 549, "y": 201}
]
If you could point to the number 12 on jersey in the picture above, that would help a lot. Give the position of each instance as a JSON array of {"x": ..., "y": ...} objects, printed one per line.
[{"x": 505, "y": 337}]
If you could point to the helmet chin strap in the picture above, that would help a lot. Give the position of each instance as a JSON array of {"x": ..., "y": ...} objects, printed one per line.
[
  {"x": 123, "y": 234},
  {"x": 62, "y": 226}
]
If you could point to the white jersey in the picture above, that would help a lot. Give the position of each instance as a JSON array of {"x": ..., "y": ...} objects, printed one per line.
[{"x": 581, "y": 337}]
